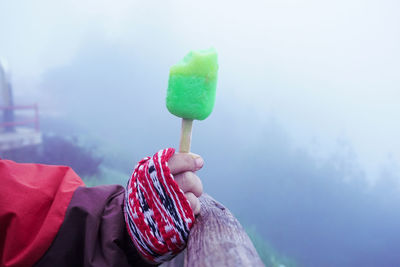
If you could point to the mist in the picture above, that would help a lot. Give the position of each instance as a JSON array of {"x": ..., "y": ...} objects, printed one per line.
[{"x": 303, "y": 141}]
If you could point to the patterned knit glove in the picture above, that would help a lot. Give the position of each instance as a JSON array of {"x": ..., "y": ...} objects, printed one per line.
[{"x": 157, "y": 214}]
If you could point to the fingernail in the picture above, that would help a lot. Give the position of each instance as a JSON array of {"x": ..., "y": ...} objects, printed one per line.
[{"x": 199, "y": 162}]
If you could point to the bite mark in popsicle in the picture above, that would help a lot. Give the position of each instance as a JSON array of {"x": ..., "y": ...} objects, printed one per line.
[{"x": 191, "y": 90}]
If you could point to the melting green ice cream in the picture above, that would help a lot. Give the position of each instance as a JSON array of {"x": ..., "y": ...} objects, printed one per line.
[{"x": 192, "y": 85}]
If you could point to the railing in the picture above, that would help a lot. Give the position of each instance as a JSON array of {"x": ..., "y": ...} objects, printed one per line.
[
  {"x": 216, "y": 239},
  {"x": 34, "y": 121}
]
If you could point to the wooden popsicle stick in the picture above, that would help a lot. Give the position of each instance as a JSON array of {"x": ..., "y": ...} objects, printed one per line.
[{"x": 186, "y": 136}]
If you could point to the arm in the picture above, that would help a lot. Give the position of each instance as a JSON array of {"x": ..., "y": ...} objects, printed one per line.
[
  {"x": 94, "y": 231},
  {"x": 48, "y": 217}
]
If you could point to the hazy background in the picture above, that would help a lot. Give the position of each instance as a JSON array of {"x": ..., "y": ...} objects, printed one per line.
[{"x": 303, "y": 143}]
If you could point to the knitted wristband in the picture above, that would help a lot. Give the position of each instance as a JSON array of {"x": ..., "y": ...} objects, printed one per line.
[{"x": 157, "y": 214}]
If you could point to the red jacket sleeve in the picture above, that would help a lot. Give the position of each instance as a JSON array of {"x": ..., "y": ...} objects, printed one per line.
[{"x": 33, "y": 203}]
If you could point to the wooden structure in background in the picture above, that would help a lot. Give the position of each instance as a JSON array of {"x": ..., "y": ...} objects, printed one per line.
[
  {"x": 32, "y": 122},
  {"x": 16, "y": 133},
  {"x": 20, "y": 133},
  {"x": 216, "y": 239}
]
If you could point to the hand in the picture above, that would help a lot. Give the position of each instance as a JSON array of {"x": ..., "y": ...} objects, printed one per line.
[{"x": 183, "y": 167}]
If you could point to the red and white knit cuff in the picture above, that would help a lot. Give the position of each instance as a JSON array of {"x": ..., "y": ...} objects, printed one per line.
[{"x": 157, "y": 214}]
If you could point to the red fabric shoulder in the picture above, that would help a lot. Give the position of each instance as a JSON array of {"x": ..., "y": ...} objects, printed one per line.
[{"x": 33, "y": 202}]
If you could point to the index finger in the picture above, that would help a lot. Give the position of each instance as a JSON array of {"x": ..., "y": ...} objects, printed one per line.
[{"x": 183, "y": 162}]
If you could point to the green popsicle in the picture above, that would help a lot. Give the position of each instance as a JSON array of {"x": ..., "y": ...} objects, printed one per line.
[{"x": 191, "y": 90}]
